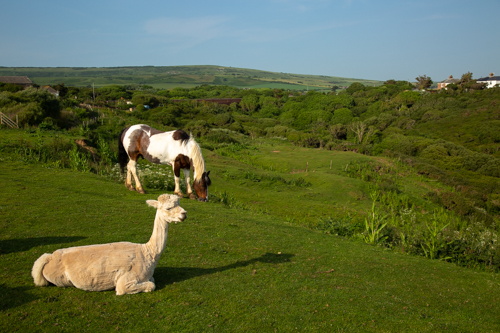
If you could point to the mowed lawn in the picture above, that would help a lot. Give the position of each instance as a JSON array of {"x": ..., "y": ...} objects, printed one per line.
[{"x": 223, "y": 269}]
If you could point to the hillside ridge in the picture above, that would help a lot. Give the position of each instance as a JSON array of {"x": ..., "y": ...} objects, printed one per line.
[{"x": 180, "y": 76}]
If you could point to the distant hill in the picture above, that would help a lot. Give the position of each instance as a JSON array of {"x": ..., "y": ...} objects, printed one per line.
[{"x": 167, "y": 77}]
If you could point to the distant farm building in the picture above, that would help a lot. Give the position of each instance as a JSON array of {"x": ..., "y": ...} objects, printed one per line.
[
  {"x": 448, "y": 81},
  {"x": 51, "y": 90},
  {"x": 22, "y": 81},
  {"x": 490, "y": 81},
  {"x": 225, "y": 101}
]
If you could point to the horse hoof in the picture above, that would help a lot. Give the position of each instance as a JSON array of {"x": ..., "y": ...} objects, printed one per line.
[
  {"x": 131, "y": 188},
  {"x": 141, "y": 191},
  {"x": 192, "y": 196},
  {"x": 180, "y": 195}
]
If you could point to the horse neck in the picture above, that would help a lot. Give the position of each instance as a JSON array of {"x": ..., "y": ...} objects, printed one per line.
[
  {"x": 197, "y": 160},
  {"x": 158, "y": 240}
]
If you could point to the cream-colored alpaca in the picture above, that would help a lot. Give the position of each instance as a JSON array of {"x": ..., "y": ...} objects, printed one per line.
[{"x": 124, "y": 266}]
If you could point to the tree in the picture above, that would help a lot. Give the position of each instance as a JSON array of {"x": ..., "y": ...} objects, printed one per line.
[
  {"x": 249, "y": 103},
  {"x": 358, "y": 128},
  {"x": 342, "y": 116},
  {"x": 466, "y": 78},
  {"x": 356, "y": 86},
  {"x": 62, "y": 89},
  {"x": 423, "y": 82},
  {"x": 338, "y": 131}
]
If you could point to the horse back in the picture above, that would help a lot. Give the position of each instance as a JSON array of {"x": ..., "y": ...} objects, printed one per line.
[{"x": 154, "y": 145}]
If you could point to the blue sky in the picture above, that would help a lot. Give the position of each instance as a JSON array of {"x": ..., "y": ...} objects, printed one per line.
[{"x": 364, "y": 39}]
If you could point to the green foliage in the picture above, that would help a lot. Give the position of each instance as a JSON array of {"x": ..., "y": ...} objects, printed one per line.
[
  {"x": 114, "y": 92},
  {"x": 423, "y": 82},
  {"x": 341, "y": 226},
  {"x": 433, "y": 239},
  {"x": 354, "y": 87},
  {"x": 374, "y": 224},
  {"x": 78, "y": 161},
  {"x": 219, "y": 137},
  {"x": 397, "y": 143},
  {"x": 223, "y": 119},
  {"x": 249, "y": 103},
  {"x": 342, "y": 116},
  {"x": 10, "y": 87}
]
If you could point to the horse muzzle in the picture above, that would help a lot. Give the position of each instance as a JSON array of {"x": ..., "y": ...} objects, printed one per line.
[{"x": 202, "y": 199}]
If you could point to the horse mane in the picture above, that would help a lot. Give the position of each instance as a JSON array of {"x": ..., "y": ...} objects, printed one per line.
[{"x": 197, "y": 158}]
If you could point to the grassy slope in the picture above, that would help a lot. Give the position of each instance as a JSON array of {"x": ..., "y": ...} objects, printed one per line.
[
  {"x": 167, "y": 77},
  {"x": 221, "y": 270},
  {"x": 330, "y": 192}
]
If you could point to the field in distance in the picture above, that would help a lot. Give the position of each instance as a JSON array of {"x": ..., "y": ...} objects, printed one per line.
[{"x": 167, "y": 77}]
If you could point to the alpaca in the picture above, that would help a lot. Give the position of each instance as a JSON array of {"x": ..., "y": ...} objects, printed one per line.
[{"x": 124, "y": 266}]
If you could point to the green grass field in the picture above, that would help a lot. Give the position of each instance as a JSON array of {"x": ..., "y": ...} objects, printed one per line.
[{"x": 253, "y": 268}]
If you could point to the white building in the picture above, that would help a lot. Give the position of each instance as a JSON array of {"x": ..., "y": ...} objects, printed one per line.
[
  {"x": 490, "y": 81},
  {"x": 446, "y": 82}
]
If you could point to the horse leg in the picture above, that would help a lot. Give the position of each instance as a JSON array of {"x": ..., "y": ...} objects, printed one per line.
[
  {"x": 187, "y": 178},
  {"x": 132, "y": 167},
  {"x": 128, "y": 181},
  {"x": 177, "y": 190}
]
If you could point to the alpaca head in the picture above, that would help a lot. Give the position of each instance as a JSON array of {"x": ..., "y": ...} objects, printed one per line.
[{"x": 168, "y": 207}]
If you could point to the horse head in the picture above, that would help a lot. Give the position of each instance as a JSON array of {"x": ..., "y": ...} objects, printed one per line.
[{"x": 201, "y": 186}]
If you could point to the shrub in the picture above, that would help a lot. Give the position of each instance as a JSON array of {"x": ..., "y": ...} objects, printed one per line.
[
  {"x": 491, "y": 168},
  {"x": 223, "y": 119},
  {"x": 219, "y": 137},
  {"x": 342, "y": 116},
  {"x": 397, "y": 143}
]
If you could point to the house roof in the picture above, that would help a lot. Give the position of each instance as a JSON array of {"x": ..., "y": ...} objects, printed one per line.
[
  {"x": 15, "y": 79},
  {"x": 50, "y": 89},
  {"x": 489, "y": 78},
  {"x": 450, "y": 80}
]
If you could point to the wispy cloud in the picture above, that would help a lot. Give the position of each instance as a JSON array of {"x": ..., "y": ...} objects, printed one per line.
[
  {"x": 200, "y": 28},
  {"x": 184, "y": 33},
  {"x": 434, "y": 17}
]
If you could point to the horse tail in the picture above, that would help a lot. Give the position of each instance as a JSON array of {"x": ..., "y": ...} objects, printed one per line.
[
  {"x": 122, "y": 153},
  {"x": 37, "y": 270}
]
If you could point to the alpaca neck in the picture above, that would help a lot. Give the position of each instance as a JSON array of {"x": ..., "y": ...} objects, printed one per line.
[{"x": 158, "y": 239}]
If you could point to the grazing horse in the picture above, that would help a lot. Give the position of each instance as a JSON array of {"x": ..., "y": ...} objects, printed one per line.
[{"x": 176, "y": 148}]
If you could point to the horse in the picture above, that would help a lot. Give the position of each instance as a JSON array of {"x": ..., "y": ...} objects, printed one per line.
[{"x": 175, "y": 148}]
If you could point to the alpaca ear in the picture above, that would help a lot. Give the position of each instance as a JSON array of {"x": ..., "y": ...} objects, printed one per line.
[{"x": 153, "y": 203}]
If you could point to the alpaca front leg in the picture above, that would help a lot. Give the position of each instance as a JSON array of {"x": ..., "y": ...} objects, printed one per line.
[
  {"x": 132, "y": 167},
  {"x": 187, "y": 178},
  {"x": 124, "y": 286}
]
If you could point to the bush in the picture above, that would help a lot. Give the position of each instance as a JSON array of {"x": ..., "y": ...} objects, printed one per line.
[
  {"x": 397, "y": 143},
  {"x": 219, "y": 137},
  {"x": 491, "y": 168},
  {"x": 223, "y": 119}
]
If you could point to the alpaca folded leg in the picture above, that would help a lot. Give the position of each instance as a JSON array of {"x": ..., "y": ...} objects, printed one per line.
[{"x": 124, "y": 286}]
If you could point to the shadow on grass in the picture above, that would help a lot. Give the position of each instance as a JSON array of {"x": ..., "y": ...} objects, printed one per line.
[
  {"x": 168, "y": 275},
  {"x": 24, "y": 244},
  {"x": 12, "y": 297}
]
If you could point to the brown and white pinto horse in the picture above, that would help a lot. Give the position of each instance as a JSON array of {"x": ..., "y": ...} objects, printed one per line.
[{"x": 176, "y": 148}]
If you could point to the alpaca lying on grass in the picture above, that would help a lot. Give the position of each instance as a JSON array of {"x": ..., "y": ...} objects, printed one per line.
[{"x": 124, "y": 266}]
